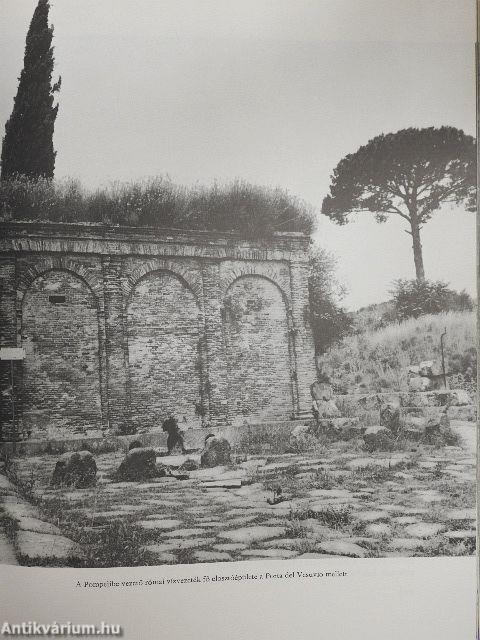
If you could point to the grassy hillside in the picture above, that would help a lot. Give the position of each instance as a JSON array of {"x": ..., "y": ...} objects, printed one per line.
[{"x": 378, "y": 360}]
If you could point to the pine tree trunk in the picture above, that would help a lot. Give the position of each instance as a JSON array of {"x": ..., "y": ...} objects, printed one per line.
[{"x": 417, "y": 249}]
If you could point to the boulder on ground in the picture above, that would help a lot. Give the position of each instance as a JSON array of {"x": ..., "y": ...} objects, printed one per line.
[
  {"x": 420, "y": 383},
  {"x": 378, "y": 438},
  {"x": 77, "y": 469},
  {"x": 429, "y": 369},
  {"x": 215, "y": 452},
  {"x": 390, "y": 416},
  {"x": 299, "y": 436},
  {"x": 138, "y": 464},
  {"x": 460, "y": 398},
  {"x": 321, "y": 391},
  {"x": 327, "y": 409}
]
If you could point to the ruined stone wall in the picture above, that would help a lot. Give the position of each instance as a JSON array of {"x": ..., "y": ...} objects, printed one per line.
[{"x": 122, "y": 327}]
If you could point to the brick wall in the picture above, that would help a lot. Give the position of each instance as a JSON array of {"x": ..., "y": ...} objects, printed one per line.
[
  {"x": 61, "y": 390},
  {"x": 163, "y": 323},
  {"x": 210, "y": 327},
  {"x": 257, "y": 348}
]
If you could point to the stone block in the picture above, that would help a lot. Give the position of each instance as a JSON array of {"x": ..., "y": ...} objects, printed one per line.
[
  {"x": 77, "y": 469},
  {"x": 138, "y": 464},
  {"x": 217, "y": 451},
  {"x": 378, "y": 438}
]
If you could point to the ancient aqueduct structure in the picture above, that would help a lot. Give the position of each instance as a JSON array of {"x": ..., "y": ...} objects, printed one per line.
[{"x": 122, "y": 326}]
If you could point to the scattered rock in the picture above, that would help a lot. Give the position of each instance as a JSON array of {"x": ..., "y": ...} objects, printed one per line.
[
  {"x": 390, "y": 416},
  {"x": 419, "y": 383},
  {"x": 77, "y": 469},
  {"x": 216, "y": 452},
  {"x": 299, "y": 436},
  {"x": 378, "y": 438},
  {"x": 138, "y": 464},
  {"x": 429, "y": 369}
]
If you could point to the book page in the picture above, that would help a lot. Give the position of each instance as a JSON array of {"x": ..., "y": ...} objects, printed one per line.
[{"x": 238, "y": 319}]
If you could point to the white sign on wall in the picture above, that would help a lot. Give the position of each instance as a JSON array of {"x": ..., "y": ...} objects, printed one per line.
[{"x": 12, "y": 353}]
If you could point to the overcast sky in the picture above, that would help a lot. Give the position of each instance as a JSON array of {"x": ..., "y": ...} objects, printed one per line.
[{"x": 273, "y": 91}]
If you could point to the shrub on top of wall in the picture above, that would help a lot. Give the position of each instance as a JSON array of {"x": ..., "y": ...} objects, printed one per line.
[{"x": 252, "y": 210}]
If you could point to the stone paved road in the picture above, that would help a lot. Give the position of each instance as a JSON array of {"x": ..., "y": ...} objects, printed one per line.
[{"x": 340, "y": 501}]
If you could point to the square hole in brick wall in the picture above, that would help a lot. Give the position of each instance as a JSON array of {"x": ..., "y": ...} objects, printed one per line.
[{"x": 56, "y": 299}]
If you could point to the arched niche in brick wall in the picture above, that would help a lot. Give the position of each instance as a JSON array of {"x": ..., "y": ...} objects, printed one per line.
[
  {"x": 258, "y": 350},
  {"x": 165, "y": 352},
  {"x": 61, "y": 370}
]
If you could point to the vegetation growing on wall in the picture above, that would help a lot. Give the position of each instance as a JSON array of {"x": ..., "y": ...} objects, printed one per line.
[{"x": 252, "y": 210}]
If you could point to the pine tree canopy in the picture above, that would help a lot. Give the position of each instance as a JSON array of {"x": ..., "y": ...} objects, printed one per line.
[{"x": 28, "y": 143}]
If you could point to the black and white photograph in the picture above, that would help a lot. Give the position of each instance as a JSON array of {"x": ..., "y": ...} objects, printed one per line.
[{"x": 237, "y": 281}]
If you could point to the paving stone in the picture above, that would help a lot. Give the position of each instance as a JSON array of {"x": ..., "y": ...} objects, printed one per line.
[
  {"x": 269, "y": 553},
  {"x": 253, "y": 534},
  {"x": 461, "y": 514},
  {"x": 33, "y": 524},
  {"x": 153, "y": 522},
  {"x": 43, "y": 546},
  {"x": 461, "y": 535},
  {"x": 189, "y": 543},
  {"x": 161, "y": 552},
  {"x": 342, "y": 547},
  {"x": 283, "y": 543},
  {"x": 331, "y": 493},
  {"x": 378, "y": 529},
  {"x": 211, "y": 556},
  {"x": 312, "y": 555},
  {"x": 430, "y": 496},
  {"x": 424, "y": 529},
  {"x": 371, "y": 516},
  {"x": 359, "y": 463},
  {"x": 406, "y": 543},
  {"x": 230, "y": 546},
  {"x": 405, "y": 520},
  {"x": 185, "y": 533}
]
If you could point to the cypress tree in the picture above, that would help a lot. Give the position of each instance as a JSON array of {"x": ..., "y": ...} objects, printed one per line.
[{"x": 27, "y": 147}]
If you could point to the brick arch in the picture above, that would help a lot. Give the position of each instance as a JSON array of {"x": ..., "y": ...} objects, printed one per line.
[
  {"x": 62, "y": 366},
  {"x": 233, "y": 273},
  {"x": 187, "y": 276},
  {"x": 259, "y": 349},
  {"x": 59, "y": 263},
  {"x": 164, "y": 327}
]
